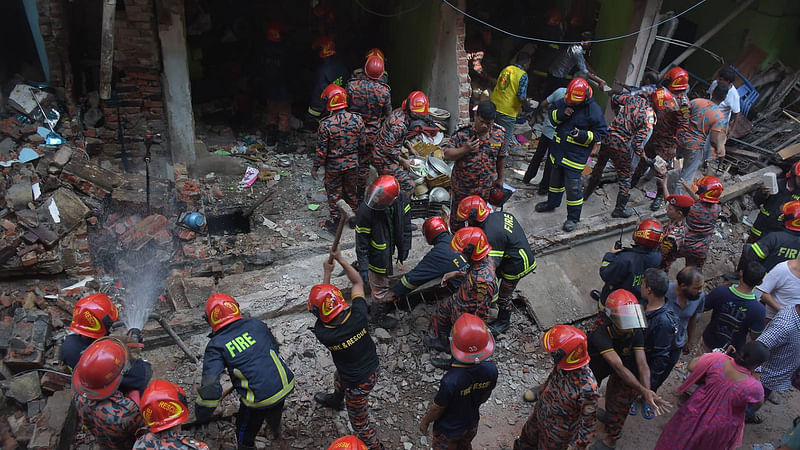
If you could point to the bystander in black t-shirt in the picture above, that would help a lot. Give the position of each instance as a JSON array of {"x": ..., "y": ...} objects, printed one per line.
[
  {"x": 462, "y": 391},
  {"x": 604, "y": 339},
  {"x": 734, "y": 315},
  {"x": 351, "y": 346}
]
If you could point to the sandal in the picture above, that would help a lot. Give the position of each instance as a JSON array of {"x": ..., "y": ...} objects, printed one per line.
[
  {"x": 754, "y": 419},
  {"x": 647, "y": 411},
  {"x": 634, "y": 410}
]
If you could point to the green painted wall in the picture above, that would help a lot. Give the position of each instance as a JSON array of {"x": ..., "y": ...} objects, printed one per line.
[
  {"x": 613, "y": 20},
  {"x": 410, "y": 53},
  {"x": 772, "y": 25}
]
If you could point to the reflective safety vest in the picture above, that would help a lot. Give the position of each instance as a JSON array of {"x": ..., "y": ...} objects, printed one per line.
[{"x": 504, "y": 95}]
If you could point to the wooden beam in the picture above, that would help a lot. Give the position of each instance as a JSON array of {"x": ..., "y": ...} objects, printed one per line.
[{"x": 107, "y": 48}]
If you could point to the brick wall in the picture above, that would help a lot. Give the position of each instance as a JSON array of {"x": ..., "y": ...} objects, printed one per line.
[
  {"x": 136, "y": 61},
  {"x": 465, "y": 89}
]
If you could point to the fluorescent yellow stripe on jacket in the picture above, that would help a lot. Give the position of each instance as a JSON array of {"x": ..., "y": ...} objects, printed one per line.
[
  {"x": 376, "y": 245},
  {"x": 363, "y": 230},
  {"x": 496, "y": 253},
  {"x": 249, "y": 398},
  {"x": 760, "y": 253},
  {"x": 755, "y": 231},
  {"x": 554, "y": 117},
  {"x": 527, "y": 267},
  {"x": 572, "y": 164},
  {"x": 589, "y": 139},
  {"x": 206, "y": 403},
  {"x": 405, "y": 282},
  {"x": 407, "y": 208}
]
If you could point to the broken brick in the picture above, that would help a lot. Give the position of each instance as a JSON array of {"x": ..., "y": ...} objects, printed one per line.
[
  {"x": 29, "y": 259},
  {"x": 184, "y": 234},
  {"x": 195, "y": 250},
  {"x": 8, "y": 225}
]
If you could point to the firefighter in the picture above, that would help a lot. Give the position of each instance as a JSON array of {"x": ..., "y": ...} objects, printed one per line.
[
  {"x": 468, "y": 383},
  {"x": 164, "y": 409},
  {"x": 768, "y": 219},
  {"x": 579, "y": 125},
  {"x": 440, "y": 260},
  {"x": 777, "y": 246},
  {"x": 388, "y": 159},
  {"x": 361, "y": 72},
  {"x": 92, "y": 318},
  {"x": 371, "y": 98},
  {"x": 340, "y": 140},
  {"x": 565, "y": 413},
  {"x": 474, "y": 294},
  {"x": 102, "y": 408},
  {"x": 511, "y": 251},
  {"x": 678, "y": 207},
  {"x": 616, "y": 349},
  {"x": 479, "y": 156},
  {"x": 623, "y": 268},
  {"x": 383, "y": 224},
  {"x": 343, "y": 329},
  {"x": 248, "y": 351},
  {"x": 701, "y": 220},
  {"x": 669, "y": 121},
  {"x": 330, "y": 71},
  {"x": 275, "y": 78},
  {"x": 349, "y": 442},
  {"x": 627, "y": 135}
]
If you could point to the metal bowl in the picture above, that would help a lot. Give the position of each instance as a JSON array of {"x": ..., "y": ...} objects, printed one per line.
[
  {"x": 436, "y": 166},
  {"x": 439, "y": 194}
]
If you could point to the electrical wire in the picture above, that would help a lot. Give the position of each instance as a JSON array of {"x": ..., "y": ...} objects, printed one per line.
[
  {"x": 548, "y": 41},
  {"x": 685, "y": 44},
  {"x": 389, "y": 16}
]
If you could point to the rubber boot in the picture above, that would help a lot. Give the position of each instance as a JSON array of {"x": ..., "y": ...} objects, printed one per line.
[
  {"x": 442, "y": 363},
  {"x": 658, "y": 202},
  {"x": 620, "y": 210},
  {"x": 245, "y": 447},
  {"x": 272, "y": 135},
  {"x": 543, "y": 207},
  {"x": 380, "y": 318},
  {"x": 589, "y": 189},
  {"x": 440, "y": 343},
  {"x": 502, "y": 323},
  {"x": 334, "y": 401},
  {"x": 569, "y": 225}
]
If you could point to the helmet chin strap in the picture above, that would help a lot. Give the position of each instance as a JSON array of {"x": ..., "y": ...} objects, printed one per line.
[{"x": 558, "y": 355}]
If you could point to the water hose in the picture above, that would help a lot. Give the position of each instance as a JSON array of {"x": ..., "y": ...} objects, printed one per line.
[{"x": 165, "y": 325}]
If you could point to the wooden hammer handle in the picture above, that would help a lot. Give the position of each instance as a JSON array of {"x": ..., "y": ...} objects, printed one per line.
[{"x": 336, "y": 239}]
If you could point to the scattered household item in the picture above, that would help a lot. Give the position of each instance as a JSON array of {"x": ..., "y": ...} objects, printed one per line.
[
  {"x": 439, "y": 194},
  {"x": 436, "y": 166}
]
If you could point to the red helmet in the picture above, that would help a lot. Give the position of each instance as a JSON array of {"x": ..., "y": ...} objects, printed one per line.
[
  {"x": 676, "y": 80},
  {"x": 326, "y": 302},
  {"x": 375, "y": 52},
  {"x": 472, "y": 208},
  {"x": 163, "y": 405},
  {"x": 93, "y": 315},
  {"x": 348, "y": 442},
  {"x": 709, "y": 188},
  {"x": 795, "y": 170},
  {"x": 496, "y": 196},
  {"x": 791, "y": 215},
  {"x": 664, "y": 100},
  {"x": 624, "y": 310},
  {"x": 99, "y": 371},
  {"x": 648, "y": 233},
  {"x": 334, "y": 97},
  {"x": 472, "y": 342},
  {"x": 221, "y": 309},
  {"x": 274, "y": 30},
  {"x": 417, "y": 102},
  {"x": 472, "y": 242},
  {"x": 578, "y": 91},
  {"x": 568, "y": 346},
  {"x": 374, "y": 67},
  {"x": 327, "y": 47},
  {"x": 382, "y": 192},
  {"x": 433, "y": 227}
]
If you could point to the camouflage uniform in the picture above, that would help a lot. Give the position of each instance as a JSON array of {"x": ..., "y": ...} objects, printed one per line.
[
  {"x": 388, "y": 142},
  {"x": 442, "y": 442},
  {"x": 664, "y": 140},
  {"x": 629, "y": 132},
  {"x": 372, "y": 100},
  {"x": 474, "y": 295},
  {"x": 699, "y": 226},
  {"x": 671, "y": 243},
  {"x": 113, "y": 421},
  {"x": 565, "y": 413},
  {"x": 476, "y": 172},
  {"x": 339, "y": 142},
  {"x": 355, "y": 399},
  {"x": 169, "y": 439}
]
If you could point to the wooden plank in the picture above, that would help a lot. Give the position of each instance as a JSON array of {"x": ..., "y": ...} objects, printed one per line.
[{"x": 789, "y": 151}]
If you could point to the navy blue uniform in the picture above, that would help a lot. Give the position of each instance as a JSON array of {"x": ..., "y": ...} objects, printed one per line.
[
  {"x": 510, "y": 248},
  {"x": 248, "y": 351},
  {"x": 462, "y": 391},
  {"x": 331, "y": 71},
  {"x": 569, "y": 154},
  {"x": 769, "y": 217},
  {"x": 135, "y": 379},
  {"x": 625, "y": 270},
  {"x": 440, "y": 260},
  {"x": 773, "y": 248},
  {"x": 378, "y": 233}
]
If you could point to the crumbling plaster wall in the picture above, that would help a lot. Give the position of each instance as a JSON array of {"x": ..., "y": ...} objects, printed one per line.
[{"x": 450, "y": 87}]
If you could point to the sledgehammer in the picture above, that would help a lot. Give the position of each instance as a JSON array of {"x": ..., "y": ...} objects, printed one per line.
[{"x": 345, "y": 214}]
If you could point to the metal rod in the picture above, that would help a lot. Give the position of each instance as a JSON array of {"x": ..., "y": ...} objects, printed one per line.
[{"x": 165, "y": 325}]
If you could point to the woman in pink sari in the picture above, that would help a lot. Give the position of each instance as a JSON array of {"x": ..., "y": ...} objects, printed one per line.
[{"x": 713, "y": 417}]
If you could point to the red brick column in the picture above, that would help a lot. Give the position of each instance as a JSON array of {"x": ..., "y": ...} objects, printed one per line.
[{"x": 465, "y": 90}]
